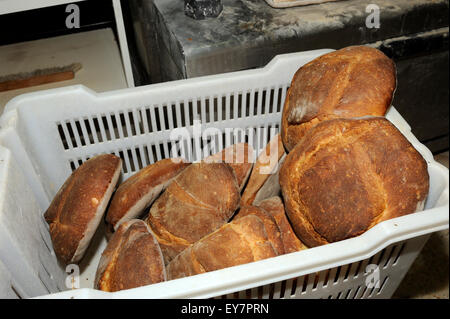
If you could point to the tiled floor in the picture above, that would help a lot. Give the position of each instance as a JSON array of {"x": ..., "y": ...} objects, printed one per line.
[{"x": 428, "y": 277}]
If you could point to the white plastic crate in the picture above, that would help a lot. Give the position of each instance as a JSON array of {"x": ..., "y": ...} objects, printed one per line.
[{"x": 50, "y": 133}]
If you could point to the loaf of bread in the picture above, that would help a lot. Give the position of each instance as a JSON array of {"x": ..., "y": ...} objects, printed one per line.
[
  {"x": 78, "y": 207},
  {"x": 239, "y": 157},
  {"x": 131, "y": 259},
  {"x": 272, "y": 230},
  {"x": 352, "y": 82},
  {"x": 263, "y": 182},
  {"x": 137, "y": 193},
  {"x": 275, "y": 207},
  {"x": 347, "y": 175},
  {"x": 199, "y": 200},
  {"x": 241, "y": 241}
]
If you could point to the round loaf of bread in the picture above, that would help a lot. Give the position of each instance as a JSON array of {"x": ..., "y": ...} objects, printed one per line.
[
  {"x": 347, "y": 175},
  {"x": 200, "y": 200},
  {"x": 131, "y": 259},
  {"x": 238, "y": 242},
  {"x": 139, "y": 191},
  {"x": 78, "y": 207},
  {"x": 272, "y": 229},
  {"x": 352, "y": 82}
]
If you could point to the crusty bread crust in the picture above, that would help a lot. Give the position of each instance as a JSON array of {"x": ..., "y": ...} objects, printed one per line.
[
  {"x": 131, "y": 259},
  {"x": 274, "y": 206},
  {"x": 272, "y": 230},
  {"x": 267, "y": 165},
  {"x": 81, "y": 201},
  {"x": 140, "y": 190},
  {"x": 241, "y": 241},
  {"x": 347, "y": 175},
  {"x": 200, "y": 200},
  {"x": 240, "y": 157},
  {"x": 351, "y": 82}
]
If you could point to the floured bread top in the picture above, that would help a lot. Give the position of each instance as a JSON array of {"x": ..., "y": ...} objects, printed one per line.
[
  {"x": 351, "y": 82},
  {"x": 347, "y": 175}
]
